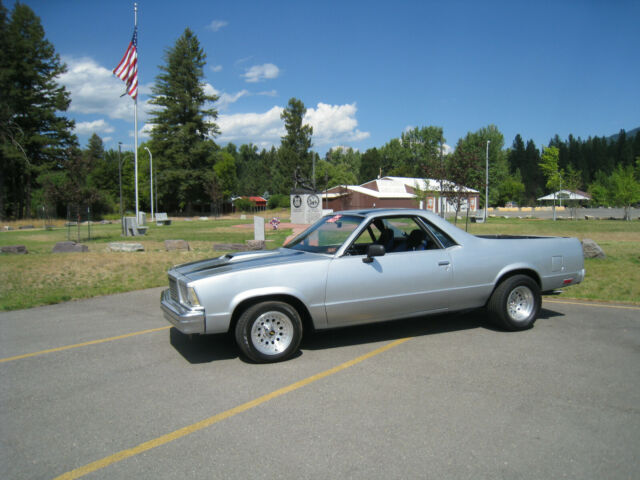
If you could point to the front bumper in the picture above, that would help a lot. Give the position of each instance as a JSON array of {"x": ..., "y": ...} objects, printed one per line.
[{"x": 186, "y": 320}]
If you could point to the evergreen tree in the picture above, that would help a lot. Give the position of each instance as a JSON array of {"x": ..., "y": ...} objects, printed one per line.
[
  {"x": 294, "y": 154},
  {"x": 33, "y": 137},
  {"x": 183, "y": 127}
]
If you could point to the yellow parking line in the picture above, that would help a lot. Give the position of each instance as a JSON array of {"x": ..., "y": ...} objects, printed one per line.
[
  {"x": 182, "y": 432},
  {"x": 587, "y": 304},
  {"x": 84, "y": 344}
]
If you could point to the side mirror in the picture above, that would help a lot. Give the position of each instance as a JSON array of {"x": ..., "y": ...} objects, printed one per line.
[{"x": 374, "y": 250}]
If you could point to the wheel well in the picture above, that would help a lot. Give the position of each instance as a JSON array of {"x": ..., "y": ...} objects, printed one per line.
[
  {"x": 523, "y": 271},
  {"x": 300, "y": 307}
]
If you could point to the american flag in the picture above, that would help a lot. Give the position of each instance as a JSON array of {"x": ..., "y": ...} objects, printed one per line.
[{"x": 127, "y": 69}]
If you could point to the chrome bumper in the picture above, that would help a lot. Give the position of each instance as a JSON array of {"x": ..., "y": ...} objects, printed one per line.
[{"x": 184, "y": 319}]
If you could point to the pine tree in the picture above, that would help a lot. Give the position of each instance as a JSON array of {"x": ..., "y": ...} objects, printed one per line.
[
  {"x": 183, "y": 127},
  {"x": 293, "y": 154},
  {"x": 33, "y": 137}
]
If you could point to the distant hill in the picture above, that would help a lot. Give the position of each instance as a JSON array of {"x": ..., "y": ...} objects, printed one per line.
[{"x": 630, "y": 134}]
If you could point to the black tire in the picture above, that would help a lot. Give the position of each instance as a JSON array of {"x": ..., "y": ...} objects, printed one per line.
[
  {"x": 269, "y": 331},
  {"x": 515, "y": 303}
]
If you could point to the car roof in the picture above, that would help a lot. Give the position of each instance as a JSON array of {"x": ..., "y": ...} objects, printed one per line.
[{"x": 379, "y": 212}]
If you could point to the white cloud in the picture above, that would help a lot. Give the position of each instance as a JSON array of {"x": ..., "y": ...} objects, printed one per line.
[
  {"x": 334, "y": 123},
  {"x": 215, "y": 68},
  {"x": 225, "y": 99},
  {"x": 216, "y": 25},
  {"x": 262, "y": 129},
  {"x": 268, "y": 93},
  {"x": 95, "y": 90},
  {"x": 210, "y": 89},
  {"x": 97, "y": 126},
  {"x": 331, "y": 124},
  {"x": 258, "y": 73}
]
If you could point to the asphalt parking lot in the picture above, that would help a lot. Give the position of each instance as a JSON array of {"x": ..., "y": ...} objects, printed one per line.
[{"x": 103, "y": 388}]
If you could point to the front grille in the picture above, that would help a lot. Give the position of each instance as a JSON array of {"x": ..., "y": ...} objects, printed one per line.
[{"x": 173, "y": 288}]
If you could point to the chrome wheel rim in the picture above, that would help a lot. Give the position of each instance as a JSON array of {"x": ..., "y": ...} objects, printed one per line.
[
  {"x": 520, "y": 303},
  {"x": 272, "y": 333}
]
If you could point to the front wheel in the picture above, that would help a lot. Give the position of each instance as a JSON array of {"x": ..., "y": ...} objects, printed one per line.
[
  {"x": 269, "y": 331},
  {"x": 515, "y": 303}
]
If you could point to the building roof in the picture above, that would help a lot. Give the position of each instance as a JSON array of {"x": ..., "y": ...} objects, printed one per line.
[
  {"x": 426, "y": 184},
  {"x": 394, "y": 187},
  {"x": 566, "y": 195}
]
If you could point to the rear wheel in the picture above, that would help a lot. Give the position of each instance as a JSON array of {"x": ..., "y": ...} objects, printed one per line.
[
  {"x": 269, "y": 331},
  {"x": 515, "y": 303}
]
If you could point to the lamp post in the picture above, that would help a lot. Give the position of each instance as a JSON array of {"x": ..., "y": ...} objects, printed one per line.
[
  {"x": 120, "y": 181},
  {"x": 486, "y": 184},
  {"x": 151, "y": 182}
]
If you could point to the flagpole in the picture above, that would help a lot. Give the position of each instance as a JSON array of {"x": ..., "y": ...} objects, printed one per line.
[{"x": 135, "y": 120}]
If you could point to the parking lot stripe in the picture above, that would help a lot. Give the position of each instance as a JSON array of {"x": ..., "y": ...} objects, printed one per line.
[
  {"x": 590, "y": 304},
  {"x": 84, "y": 344},
  {"x": 182, "y": 432}
]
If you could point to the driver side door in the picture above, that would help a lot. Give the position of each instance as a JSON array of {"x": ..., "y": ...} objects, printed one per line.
[{"x": 396, "y": 285}]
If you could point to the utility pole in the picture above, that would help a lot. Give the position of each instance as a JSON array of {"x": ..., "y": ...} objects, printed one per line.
[
  {"x": 120, "y": 182},
  {"x": 151, "y": 182},
  {"x": 486, "y": 184}
]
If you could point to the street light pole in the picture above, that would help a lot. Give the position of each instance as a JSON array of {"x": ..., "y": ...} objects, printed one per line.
[
  {"x": 486, "y": 185},
  {"x": 151, "y": 182},
  {"x": 120, "y": 181}
]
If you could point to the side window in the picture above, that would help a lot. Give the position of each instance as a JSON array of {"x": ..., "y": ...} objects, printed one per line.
[
  {"x": 395, "y": 234},
  {"x": 444, "y": 239}
]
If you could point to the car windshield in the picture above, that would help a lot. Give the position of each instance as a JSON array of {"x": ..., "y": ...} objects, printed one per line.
[{"x": 327, "y": 235}]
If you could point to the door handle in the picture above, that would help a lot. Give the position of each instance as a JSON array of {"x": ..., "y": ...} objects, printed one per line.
[{"x": 443, "y": 263}]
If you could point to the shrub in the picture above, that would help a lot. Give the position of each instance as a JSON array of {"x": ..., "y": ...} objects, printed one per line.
[
  {"x": 244, "y": 204},
  {"x": 278, "y": 201}
]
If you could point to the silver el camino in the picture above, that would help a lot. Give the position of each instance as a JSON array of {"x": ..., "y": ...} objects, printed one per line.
[{"x": 364, "y": 266}]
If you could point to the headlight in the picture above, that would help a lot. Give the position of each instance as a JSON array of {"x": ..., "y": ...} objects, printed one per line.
[{"x": 192, "y": 298}]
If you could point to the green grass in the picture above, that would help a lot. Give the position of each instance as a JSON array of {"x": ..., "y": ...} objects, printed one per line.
[{"x": 41, "y": 277}]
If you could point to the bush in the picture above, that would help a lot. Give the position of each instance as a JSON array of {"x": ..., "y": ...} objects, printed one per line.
[
  {"x": 278, "y": 201},
  {"x": 244, "y": 204}
]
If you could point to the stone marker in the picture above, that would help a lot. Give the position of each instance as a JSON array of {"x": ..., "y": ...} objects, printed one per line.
[
  {"x": 230, "y": 246},
  {"x": 126, "y": 247},
  {"x": 258, "y": 228},
  {"x": 69, "y": 247},
  {"x": 14, "y": 249},
  {"x": 255, "y": 244},
  {"x": 591, "y": 249},
  {"x": 240, "y": 247},
  {"x": 176, "y": 245}
]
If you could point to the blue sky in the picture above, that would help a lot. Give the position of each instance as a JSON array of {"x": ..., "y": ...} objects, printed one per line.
[{"x": 366, "y": 70}]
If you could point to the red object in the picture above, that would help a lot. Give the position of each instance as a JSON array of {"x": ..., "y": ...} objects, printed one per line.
[
  {"x": 127, "y": 69},
  {"x": 259, "y": 201}
]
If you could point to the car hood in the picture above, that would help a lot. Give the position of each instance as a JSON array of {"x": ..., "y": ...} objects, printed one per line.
[{"x": 241, "y": 261}]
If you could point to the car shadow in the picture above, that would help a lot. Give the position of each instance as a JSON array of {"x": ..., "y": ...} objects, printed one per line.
[
  {"x": 394, "y": 330},
  {"x": 203, "y": 348},
  {"x": 197, "y": 349},
  {"x": 546, "y": 314}
]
